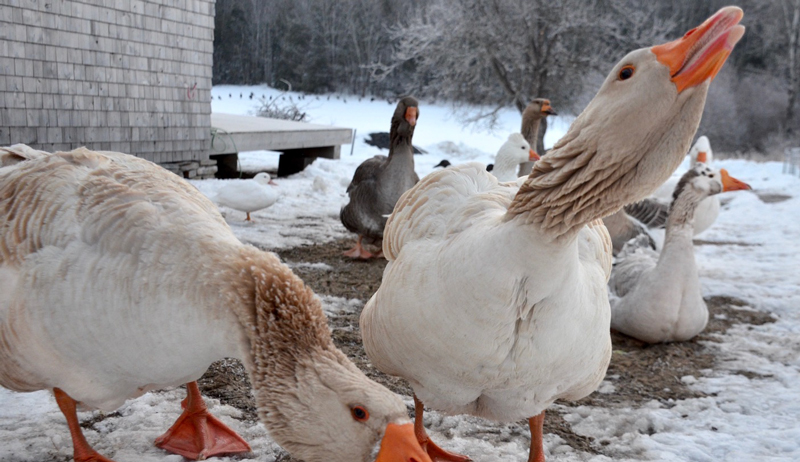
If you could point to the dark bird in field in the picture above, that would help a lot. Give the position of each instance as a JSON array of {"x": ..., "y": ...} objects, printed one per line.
[
  {"x": 444, "y": 164},
  {"x": 382, "y": 140},
  {"x": 380, "y": 181}
]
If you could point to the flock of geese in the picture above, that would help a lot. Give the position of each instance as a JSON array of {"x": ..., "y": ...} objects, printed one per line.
[{"x": 117, "y": 277}]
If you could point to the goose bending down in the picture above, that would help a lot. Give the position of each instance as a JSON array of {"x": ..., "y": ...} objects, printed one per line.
[
  {"x": 494, "y": 300},
  {"x": 378, "y": 182},
  {"x": 532, "y": 117},
  {"x": 653, "y": 211},
  {"x": 511, "y": 154},
  {"x": 659, "y": 295},
  {"x": 248, "y": 195},
  {"x": 118, "y": 277}
]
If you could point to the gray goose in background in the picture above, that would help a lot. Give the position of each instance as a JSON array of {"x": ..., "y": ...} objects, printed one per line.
[
  {"x": 532, "y": 117},
  {"x": 380, "y": 181}
]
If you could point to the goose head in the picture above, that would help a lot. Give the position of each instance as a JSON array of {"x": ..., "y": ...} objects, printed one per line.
[
  {"x": 701, "y": 151},
  {"x": 512, "y": 153},
  {"x": 702, "y": 181},
  {"x": 346, "y": 417},
  {"x": 404, "y": 119},
  {"x": 311, "y": 398},
  {"x": 264, "y": 179},
  {"x": 635, "y": 131}
]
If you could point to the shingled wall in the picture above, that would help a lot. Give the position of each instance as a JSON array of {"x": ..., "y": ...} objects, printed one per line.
[{"x": 124, "y": 75}]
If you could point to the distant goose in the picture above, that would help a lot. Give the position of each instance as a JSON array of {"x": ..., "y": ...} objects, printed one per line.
[
  {"x": 248, "y": 196},
  {"x": 380, "y": 181},
  {"x": 511, "y": 154},
  {"x": 659, "y": 295},
  {"x": 532, "y": 117}
]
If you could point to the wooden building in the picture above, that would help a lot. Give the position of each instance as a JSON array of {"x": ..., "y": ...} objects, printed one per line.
[{"x": 124, "y": 75}]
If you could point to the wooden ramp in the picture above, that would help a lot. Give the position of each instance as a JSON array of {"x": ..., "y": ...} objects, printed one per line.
[{"x": 299, "y": 142}]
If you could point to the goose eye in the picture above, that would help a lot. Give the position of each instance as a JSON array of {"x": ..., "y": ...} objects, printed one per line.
[
  {"x": 359, "y": 413},
  {"x": 626, "y": 72}
]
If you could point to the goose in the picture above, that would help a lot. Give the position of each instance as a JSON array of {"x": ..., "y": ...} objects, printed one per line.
[
  {"x": 248, "y": 196},
  {"x": 532, "y": 116},
  {"x": 653, "y": 210},
  {"x": 379, "y": 181},
  {"x": 511, "y": 154},
  {"x": 657, "y": 297},
  {"x": 118, "y": 277},
  {"x": 494, "y": 300}
]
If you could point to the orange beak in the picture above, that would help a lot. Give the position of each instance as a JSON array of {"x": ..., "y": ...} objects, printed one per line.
[
  {"x": 547, "y": 109},
  {"x": 730, "y": 183},
  {"x": 532, "y": 156},
  {"x": 399, "y": 444},
  {"x": 702, "y": 157},
  {"x": 699, "y": 55},
  {"x": 411, "y": 115}
]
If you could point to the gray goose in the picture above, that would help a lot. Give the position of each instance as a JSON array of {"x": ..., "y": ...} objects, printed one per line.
[
  {"x": 532, "y": 116},
  {"x": 379, "y": 182}
]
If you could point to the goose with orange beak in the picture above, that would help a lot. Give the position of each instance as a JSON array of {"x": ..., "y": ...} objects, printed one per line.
[
  {"x": 118, "y": 277},
  {"x": 658, "y": 296},
  {"x": 494, "y": 300}
]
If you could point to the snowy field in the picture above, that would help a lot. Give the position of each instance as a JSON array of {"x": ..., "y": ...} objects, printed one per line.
[{"x": 741, "y": 419}]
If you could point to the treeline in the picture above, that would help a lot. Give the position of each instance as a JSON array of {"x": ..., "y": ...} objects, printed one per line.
[{"x": 501, "y": 53}]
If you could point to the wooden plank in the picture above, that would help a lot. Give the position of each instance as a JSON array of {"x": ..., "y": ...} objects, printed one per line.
[{"x": 245, "y": 133}]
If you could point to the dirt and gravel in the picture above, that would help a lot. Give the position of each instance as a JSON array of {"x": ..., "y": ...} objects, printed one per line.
[{"x": 639, "y": 372}]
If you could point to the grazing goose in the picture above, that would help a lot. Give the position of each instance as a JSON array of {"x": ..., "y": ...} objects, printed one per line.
[
  {"x": 659, "y": 297},
  {"x": 248, "y": 195},
  {"x": 511, "y": 154},
  {"x": 494, "y": 300},
  {"x": 532, "y": 117},
  {"x": 378, "y": 182},
  {"x": 118, "y": 277}
]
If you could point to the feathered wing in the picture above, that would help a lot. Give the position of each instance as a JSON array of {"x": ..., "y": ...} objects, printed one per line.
[
  {"x": 444, "y": 203},
  {"x": 362, "y": 214},
  {"x": 650, "y": 212},
  {"x": 367, "y": 171}
]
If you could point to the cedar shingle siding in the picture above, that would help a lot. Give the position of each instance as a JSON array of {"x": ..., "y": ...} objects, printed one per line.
[{"x": 123, "y": 75}]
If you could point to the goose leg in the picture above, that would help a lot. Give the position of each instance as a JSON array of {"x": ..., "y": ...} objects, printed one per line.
[
  {"x": 81, "y": 451},
  {"x": 197, "y": 434},
  {"x": 248, "y": 217},
  {"x": 436, "y": 453},
  {"x": 359, "y": 252},
  {"x": 537, "y": 446}
]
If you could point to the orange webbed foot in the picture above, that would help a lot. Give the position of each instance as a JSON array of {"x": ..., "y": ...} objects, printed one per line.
[{"x": 199, "y": 435}]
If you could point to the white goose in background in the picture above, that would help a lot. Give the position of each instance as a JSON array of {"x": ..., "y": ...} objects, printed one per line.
[
  {"x": 653, "y": 211},
  {"x": 658, "y": 297},
  {"x": 248, "y": 196},
  {"x": 512, "y": 153},
  {"x": 118, "y": 277},
  {"x": 494, "y": 301}
]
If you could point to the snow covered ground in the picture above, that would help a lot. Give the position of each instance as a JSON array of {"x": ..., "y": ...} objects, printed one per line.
[{"x": 753, "y": 419}]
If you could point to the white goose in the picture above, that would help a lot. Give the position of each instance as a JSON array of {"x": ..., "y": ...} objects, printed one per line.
[
  {"x": 659, "y": 296},
  {"x": 118, "y": 277},
  {"x": 494, "y": 300},
  {"x": 512, "y": 153},
  {"x": 248, "y": 196}
]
